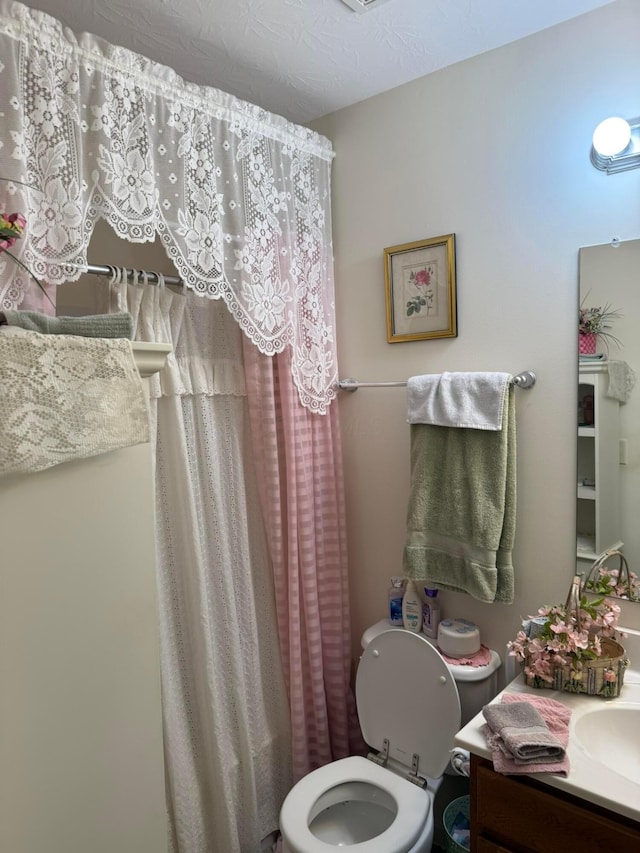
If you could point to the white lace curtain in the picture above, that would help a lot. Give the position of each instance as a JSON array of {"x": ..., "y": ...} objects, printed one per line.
[{"x": 240, "y": 198}]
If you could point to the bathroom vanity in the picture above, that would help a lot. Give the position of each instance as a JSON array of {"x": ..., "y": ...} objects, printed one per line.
[
  {"x": 595, "y": 808},
  {"x": 521, "y": 815}
]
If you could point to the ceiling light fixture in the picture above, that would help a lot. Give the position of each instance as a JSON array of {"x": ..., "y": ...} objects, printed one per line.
[
  {"x": 363, "y": 5},
  {"x": 616, "y": 145}
]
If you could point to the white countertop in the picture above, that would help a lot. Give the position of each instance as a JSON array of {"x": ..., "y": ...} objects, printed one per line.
[{"x": 588, "y": 779}]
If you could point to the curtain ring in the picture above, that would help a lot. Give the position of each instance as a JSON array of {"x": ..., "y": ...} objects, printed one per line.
[
  {"x": 110, "y": 284},
  {"x": 121, "y": 285},
  {"x": 161, "y": 281}
]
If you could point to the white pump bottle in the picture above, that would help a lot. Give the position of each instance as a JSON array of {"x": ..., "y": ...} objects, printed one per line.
[{"x": 412, "y": 608}]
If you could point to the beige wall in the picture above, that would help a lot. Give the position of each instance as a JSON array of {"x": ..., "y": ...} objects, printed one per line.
[
  {"x": 496, "y": 150},
  {"x": 81, "y": 754}
]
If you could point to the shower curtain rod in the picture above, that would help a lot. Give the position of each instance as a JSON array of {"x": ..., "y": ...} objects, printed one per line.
[
  {"x": 147, "y": 275},
  {"x": 526, "y": 379}
]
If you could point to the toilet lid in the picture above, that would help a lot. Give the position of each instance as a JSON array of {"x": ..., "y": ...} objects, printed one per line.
[{"x": 406, "y": 693}]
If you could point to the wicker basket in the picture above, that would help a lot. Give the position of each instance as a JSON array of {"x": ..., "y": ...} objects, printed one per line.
[
  {"x": 624, "y": 574},
  {"x": 602, "y": 676}
]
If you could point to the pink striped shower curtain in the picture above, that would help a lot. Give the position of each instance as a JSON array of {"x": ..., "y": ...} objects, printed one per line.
[{"x": 298, "y": 457}]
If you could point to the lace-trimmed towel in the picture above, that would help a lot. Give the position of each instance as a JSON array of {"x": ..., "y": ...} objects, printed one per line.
[{"x": 66, "y": 397}]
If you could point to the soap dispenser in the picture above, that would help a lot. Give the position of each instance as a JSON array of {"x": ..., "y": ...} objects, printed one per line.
[{"x": 412, "y": 608}]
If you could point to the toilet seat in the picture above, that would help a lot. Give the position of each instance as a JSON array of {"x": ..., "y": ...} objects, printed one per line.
[
  {"x": 406, "y": 695},
  {"x": 412, "y": 802},
  {"x": 409, "y": 711}
]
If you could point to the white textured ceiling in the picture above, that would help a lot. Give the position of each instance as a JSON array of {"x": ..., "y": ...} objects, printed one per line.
[{"x": 306, "y": 58}]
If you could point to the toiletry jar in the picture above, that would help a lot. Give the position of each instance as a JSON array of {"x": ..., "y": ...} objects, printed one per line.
[{"x": 458, "y": 638}]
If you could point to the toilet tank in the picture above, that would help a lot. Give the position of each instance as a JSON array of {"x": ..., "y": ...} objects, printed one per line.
[{"x": 477, "y": 685}]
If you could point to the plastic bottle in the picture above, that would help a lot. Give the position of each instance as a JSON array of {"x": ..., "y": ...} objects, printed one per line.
[
  {"x": 396, "y": 594},
  {"x": 431, "y": 613},
  {"x": 412, "y": 608},
  {"x": 425, "y": 613}
]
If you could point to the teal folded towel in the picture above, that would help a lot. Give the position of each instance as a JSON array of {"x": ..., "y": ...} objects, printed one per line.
[
  {"x": 91, "y": 326},
  {"x": 461, "y": 511}
]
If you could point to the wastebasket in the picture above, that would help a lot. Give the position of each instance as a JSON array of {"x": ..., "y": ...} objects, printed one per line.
[{"x": 456, "y": 816}]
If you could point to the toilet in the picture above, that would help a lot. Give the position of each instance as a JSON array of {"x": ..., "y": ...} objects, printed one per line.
[{"x": 409, "y": 705}]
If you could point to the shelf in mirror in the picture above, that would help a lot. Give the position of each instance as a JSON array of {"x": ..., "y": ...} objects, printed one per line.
[
  {"x": 608, "y": 275},
  {"x": 598, "y": 488}
]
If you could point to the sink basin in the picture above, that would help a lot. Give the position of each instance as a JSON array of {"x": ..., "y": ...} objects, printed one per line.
[{"x": 610, "y": 735}]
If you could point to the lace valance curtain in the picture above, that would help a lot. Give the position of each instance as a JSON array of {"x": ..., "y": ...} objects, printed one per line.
[{"x": 239, "y": 198}]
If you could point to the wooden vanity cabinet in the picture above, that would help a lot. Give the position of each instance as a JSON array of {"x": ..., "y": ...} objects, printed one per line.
[{"x": 519, "y": 814}]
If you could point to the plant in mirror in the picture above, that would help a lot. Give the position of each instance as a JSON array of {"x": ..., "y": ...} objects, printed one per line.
[
  {"x": 594, "y": 324},
  {"x": 607, "y": 584},
  {"x": 608, "y": 414},
  {"x": 610, "y": 575}
]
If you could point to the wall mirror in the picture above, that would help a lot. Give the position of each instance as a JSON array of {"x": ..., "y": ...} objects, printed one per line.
[{"x": 608, "y": 415}]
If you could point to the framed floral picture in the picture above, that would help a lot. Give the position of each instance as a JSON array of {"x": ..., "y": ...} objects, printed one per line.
[{"x": 420, "y": 282}]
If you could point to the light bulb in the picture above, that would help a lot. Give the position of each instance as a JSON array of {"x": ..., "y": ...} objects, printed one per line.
[{"x": 611, "y": 136}]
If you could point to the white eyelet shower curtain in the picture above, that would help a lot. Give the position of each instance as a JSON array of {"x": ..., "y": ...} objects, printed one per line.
[{"x": 226, "y": 716}]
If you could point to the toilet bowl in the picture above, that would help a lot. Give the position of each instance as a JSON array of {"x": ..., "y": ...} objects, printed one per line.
[
  {"x": 409, "y": 711},
  {"x": 354, "y": 802}
]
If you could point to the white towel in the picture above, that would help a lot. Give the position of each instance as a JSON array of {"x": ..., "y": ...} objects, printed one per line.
[
  {"x": 622, "y": 380},
  {"x": 66, "y": 397},
  {"x": 471, "y": 400}
]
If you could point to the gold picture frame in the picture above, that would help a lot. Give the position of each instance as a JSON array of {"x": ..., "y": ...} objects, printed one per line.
[{"x": 420, "y": 284}]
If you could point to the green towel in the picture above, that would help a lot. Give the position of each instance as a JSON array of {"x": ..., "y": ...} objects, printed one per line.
[
  {"x": 91, "y": 326},
  {"x": 462, "y": 505}
]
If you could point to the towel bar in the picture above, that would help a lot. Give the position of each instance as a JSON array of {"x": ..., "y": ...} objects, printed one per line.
[{"x": 526, "y": 379}]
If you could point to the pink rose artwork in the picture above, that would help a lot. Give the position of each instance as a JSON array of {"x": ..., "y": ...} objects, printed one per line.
[{"x": 421, "y": 280}]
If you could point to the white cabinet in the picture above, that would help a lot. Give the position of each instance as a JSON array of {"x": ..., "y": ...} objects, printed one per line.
[
  {"x": 598, "y": 492},
  {"x": 81, "y": 754}
]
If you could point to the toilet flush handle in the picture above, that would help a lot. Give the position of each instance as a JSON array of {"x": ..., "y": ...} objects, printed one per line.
[{"x": 443, "y": 679}]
